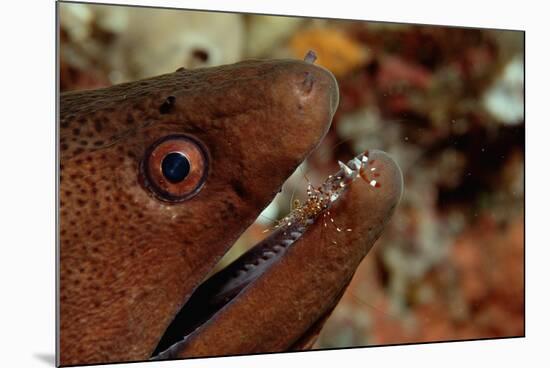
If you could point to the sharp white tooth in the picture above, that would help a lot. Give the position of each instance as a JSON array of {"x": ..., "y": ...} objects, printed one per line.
[
  {"x": 278, "y": 248},
  {"x": 240, "y": 273},
  {"x": 269, "y": 254},
  {"x": 347, "y": 171},
  {"x": 295, "y": 234},
  {"x": 355, "y": 163},
  {"x": 364, "y": 159},
  {"x": 248, "y": 267},
  {"x": 352, "y": 175},
  {"x": 287, "y": 242}
]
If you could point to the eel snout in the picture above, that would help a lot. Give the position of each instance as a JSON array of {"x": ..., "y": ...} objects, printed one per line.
[
  {"x": 277, "y": 296},
  {"x": 304, "y": 98}
]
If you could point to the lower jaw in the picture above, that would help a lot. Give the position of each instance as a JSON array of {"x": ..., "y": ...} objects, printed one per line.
[
  {"x": 226, "y": 285},
  {"x": 223, "y": 287}
]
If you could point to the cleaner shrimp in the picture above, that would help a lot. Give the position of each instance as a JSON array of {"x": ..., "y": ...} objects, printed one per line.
[{"x": 320, "y": 198}]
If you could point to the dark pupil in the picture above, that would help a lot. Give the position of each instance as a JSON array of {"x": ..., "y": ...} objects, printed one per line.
[{"x": 175, "y": 167}]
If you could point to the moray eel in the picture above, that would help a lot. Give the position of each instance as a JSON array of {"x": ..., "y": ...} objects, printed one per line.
[{"x": 159, "y": 177}]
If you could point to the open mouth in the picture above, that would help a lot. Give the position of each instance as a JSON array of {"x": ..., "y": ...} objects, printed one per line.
[{"x": 224, "y": 288}]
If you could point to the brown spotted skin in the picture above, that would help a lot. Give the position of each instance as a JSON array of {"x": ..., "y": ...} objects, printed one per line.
[
  {"x": 285, "y": 308},
  {"x": 128, "y": 261}
]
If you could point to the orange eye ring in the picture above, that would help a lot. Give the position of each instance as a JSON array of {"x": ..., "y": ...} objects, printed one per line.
[{"x": 175, "y": 168}]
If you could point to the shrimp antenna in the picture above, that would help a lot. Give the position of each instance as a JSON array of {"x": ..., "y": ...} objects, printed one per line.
[{"x": 363, "y": 302}]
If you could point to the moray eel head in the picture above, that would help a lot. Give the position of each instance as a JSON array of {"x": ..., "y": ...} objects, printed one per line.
[{"x": 158, "y": 178}]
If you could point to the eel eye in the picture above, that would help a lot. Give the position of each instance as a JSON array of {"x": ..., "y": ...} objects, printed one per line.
[{"x": 175, "y": 168}]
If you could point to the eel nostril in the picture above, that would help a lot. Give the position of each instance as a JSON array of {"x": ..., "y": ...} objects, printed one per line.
[
  {"x": 310, "y": 57},
  {"x": 308, "y": 82}
]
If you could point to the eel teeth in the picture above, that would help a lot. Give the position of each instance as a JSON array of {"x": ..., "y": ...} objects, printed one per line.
[
  {"x": 364, "y": 159},
  {"x": 269, "y": 254},
  {"x": 240, "y": 273},
  {"x": 349, "y": 174},
  {"x": 287, "y": 242},
  {"x": 347, "y": 171},
  {"x": 295, "y": 235},
  {"x": 278, "y": 248},
  {"x": 355, "y": 163}
]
